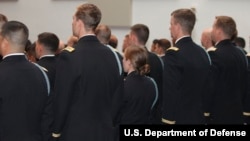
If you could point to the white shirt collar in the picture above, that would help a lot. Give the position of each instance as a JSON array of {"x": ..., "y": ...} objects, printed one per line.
[
  {"x": 49, "y": 55},
  {"x": 13, "y": 54},
  {"x": 181, "y": 38}
]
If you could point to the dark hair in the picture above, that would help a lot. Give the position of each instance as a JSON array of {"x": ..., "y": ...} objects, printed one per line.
[
  {"x": 142, "y": 32},
  {"x": 139, "y": 59},
  {"x": 16, "y": 32},
  {"x": 90, "y": 15},
  {"x": 103, "y": 33},
  {"x": 155, "y": 41},
  {"x": 186, "y": 18},
  {"x": 28, "y": 43},
  {"x": 164, "y": 43},
  {"x": 227, "y": 25},
  {"x": 113, "y": 41},
  {"x": 49, "y": 40},
  {"x": 31, "y": 49},
  {"x": 239, "y": 41},
  {"x": 3, "y": 18}
]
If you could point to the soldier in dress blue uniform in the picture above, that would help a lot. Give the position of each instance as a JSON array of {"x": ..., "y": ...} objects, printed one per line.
[
  {"x": 103, "y": 34},
  {"x": 228, "y": 75},
  {"x": 24, "y": 89},
  {"x": 140, "y": 91},
  {"x": 138, "y": 36},
  {"x": 46, "y": 46},
  {"x": 88, "y": 84},
  {"x": 186, "y": 69}
]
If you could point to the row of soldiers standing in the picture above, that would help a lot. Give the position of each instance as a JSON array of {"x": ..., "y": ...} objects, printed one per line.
[{"x": 86, "y": 99}]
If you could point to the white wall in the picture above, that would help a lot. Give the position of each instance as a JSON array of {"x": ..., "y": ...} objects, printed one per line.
[
  {"x": 43, "y": 15},
  {"x": 56, "y": 16}
]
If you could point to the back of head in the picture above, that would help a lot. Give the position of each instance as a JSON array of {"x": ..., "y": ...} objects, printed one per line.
[
  {"x": 154, "y": 44},
  {"x": 164, "y": 43},
  {"x": 227, "y": 25},
  {"x": 141, "y": 31},
  {"x": 49, "y": 40},
  {"x": 16, "y": 33},
  {"x": 103, "y": 33},
  {"x": 139, "y": 59},
  {"x": 31, "y": 52},
  {"x": 90, "y": 15},
  {"x": 239, "y": 41},
  {"x": 113, "y": 41},
  {"x": 206, "y": 38},
  {"x": 186, "y": 18},
  {"x": 155, "y": 41}
]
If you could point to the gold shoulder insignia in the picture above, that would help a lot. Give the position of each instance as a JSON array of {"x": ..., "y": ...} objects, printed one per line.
[
  {"x": 211, "y": 49},
  {"x": 167, "y": 121},
  {"x": 44, "y": 69},
  {"x": 56, "y": 135},
  {"x": 69, "y": 49},
  {"x": 246, "y": 113},
  {"x": 206, "y": 114},
  {"x": 173, "y": 48}
]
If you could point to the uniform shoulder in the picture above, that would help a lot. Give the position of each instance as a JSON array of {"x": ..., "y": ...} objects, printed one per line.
[
  {"x": 69, "y": 49},
  {"x": 173, "y": 49}
]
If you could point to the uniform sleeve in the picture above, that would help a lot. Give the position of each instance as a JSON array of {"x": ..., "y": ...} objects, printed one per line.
[
  {"x": 64, "y": 89},
  {"x": 117, "y": 103},
  {"x": 210, "y": 87},
  {"x": 246, "y": 99},
  {"x": 171, "y": 83}
]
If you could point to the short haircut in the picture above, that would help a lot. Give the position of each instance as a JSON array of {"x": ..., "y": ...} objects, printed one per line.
[
  {"x": 103, "y": 33},
  {"x": 49, "y": 40},
  {"x": 142, "y": 32},
  {"x": 164, "y": 43},
  {"x": 239, "y": 41},
  {"x": 113, "y": 41},
  {"x": 90, "y": 15},
  {"x": 186, "y": 18},
  {"x": 227, "y": 25},
  {"x": 155, "y": 41},
  {"x": 15, "y": 32}
]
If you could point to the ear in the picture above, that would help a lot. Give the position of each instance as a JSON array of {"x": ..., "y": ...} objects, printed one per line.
[
  {"x": 79, "y": 25},
  {"x": 38, "y": 49},
  {"x": 4, "y": 46},
  {"x": 133, "y": 40},
  {"x": 129, "y": 62},
  {"x": 5, "y": 43}
]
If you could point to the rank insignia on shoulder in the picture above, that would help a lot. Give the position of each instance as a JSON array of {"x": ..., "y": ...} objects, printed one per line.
[
  {"x": 211, "y": 49},
  {"x": 173, "y": 48},
  {"x": 69, "y": 49}
]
